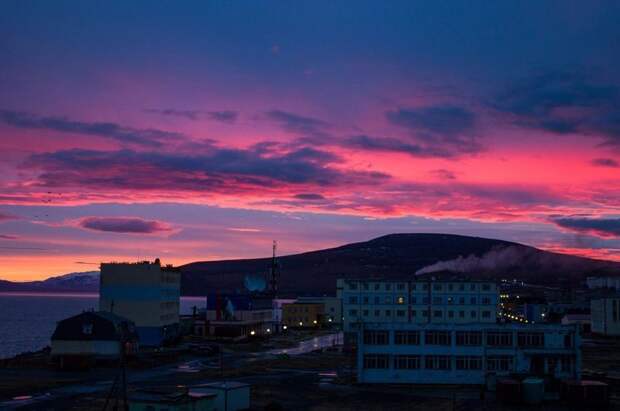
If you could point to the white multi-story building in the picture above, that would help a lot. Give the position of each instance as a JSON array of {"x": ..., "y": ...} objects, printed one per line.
[
  {"x": 464, "y": 353},
  {"x": 145, "y": 293},
  {"x": 605, "y": 316},
  {"x": 417, "y": 301}
]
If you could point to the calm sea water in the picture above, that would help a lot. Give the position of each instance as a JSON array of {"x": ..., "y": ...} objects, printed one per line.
[{"x": 27, "y": 320}]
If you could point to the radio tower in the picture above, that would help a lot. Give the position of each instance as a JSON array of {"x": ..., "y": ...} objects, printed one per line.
[{"x": 273, "y": 278}]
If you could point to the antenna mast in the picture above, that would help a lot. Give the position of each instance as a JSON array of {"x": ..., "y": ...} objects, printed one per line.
[{"x": 273, "y": 280}]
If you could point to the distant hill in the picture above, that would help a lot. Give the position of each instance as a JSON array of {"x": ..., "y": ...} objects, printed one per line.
[
  {"x": 87, "y": 281},
  {"x": 398, "y": 256},
  {"x": 394, "y": 256}
]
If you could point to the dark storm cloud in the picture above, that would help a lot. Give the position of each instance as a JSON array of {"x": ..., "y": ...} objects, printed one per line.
[
  {"x": 564, "y": 102},
  {"x": 129, "y": 225},
  {"x": 297, "y": 124},
  {"x": 224, "y": 116},
  {"x": 8, "y": 237},
  {"x": 6, "y": 216},
  {"x": 129, "y": 135},
  {"x": 388, "y": 144},
  {"x": 605, "y": 162},
  {"x": 446, "y": 129},
  {"x": 218, "y": 169},
  {"x": 602, "y": 227},
  {"x": 309, "y": 196}
]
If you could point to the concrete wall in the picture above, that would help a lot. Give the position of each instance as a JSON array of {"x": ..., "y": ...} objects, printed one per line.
[
  {"x": 95, "y": 348},
  {"x": 605, "y": 316}
]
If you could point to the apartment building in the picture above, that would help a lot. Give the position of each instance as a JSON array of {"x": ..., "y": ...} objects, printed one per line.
[
  {"x": 145, "y": 293},
  {"x": 435, "y": 353},
  {"x": 417, "y": 301}
]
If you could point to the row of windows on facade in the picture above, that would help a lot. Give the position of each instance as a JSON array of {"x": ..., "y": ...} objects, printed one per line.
[
  {"x": 462, "y": 338},
  {"x": 424, "y": 313},
  {"x": 297, "y": 309},
  {"x": 353, "y": 299},
  {"x": 446, "y": 362},
  {"x": 420, "y": 286}
]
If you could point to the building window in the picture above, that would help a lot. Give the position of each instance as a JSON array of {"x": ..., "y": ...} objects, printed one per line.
[
  {"x": 376, "y": 361},
  {"x": 568, "y": 341},
  {"x": 486, "y": 314},
  {"x": 450, "y": 314},
  {"x": 473, "y": 314},
  {"x": 486, "y": 287},
  {"x": 450, "y": 287},
  {"x": 365, "y": 286},
  {"x": 413, "y": 313},
  {"x": 461, "y": 314},
  {"x": 377, "y": 313},
  {"x": 437, "y": 300},
  {"x": 407, "y": 337},
  {"x": 437, "y": 362},
  {"x": 499, "y": 339},
  {"x": 499, "y": 363},
  {"x": 352, "y": 300},
  {"x": 531, "y": 339},
  {"x": 472, "y": 300},
  {"x": 461, "y": 287},
  {"x": 400, "y": 313},
  {"x": 388, "y": 313},
  {"x": 438, "y": 314},
  {"x": 425, "y": 287},
  {"x": 400, "y": 300},
  {"x": 352, "y": 313},
  {"x": 377, "y": 286},
  {"x": 376, "y": 337},
  {"x": 352, "y": 286},
  {"x": 425, "y": 300},
  {"x": 388, "y": 286},
  {"x": 461, "y": 300},
  {"x": 87, "y": 329},
  {"x": 400, "y": 286},
  {"x": 486, "y": 300},
  {"x": 365, "y": 300},
  {"x": 450, "y": 300},
  {"x": 436, "y": 287},
  {"x": 407, "y": 362},
  {"x": 413, "y": 286},
  {"x": 468, "y": 363},
  {"x": 413, "y": 300},
  {"x": 365, "y": 313},
  {"x": 388, "y": 299},
  {"x": 468, "y": 338},
  {"x": 437, "y": 338},
  {"x": 472, "y": 287}
]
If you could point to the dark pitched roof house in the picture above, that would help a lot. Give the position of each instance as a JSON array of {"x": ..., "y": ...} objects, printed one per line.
[{"x": 94, "y": 326}]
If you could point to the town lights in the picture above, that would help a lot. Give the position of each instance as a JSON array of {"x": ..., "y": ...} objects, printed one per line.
[
  {"x": 252, "y": 332},
  {"x": 314, "y": 322},
  {"x": 300, "y": 323},
  {"x": 284, "y": 327},
  {"x": 330, "y": 320},
  {"x": 268, "y": 330}
]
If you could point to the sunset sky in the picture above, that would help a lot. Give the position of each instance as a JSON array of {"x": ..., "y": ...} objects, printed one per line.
[{"x": 204, "y": 130}]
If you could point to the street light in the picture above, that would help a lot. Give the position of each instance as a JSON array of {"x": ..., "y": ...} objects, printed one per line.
[{"x": 252, "y": 332}]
